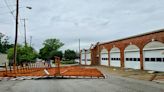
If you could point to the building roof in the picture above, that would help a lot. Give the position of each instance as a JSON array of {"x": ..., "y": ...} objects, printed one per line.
[{"x": 134, "y": 36}]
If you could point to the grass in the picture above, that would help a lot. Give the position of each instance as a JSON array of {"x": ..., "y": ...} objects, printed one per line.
[{"x": 68, "y": 62}]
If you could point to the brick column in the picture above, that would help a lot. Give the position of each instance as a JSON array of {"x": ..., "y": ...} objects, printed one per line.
[
  {"x": 80, "y": 57},
  {"x": 122, "y": 58},
  {"x": 85, "y": 57},
  {"x": 108, "y": 57},
  {"x": 141, "y": 59}
]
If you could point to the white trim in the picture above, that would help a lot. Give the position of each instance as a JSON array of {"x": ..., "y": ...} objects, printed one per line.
[
  {"x": 132, "y": 50},
  {"x": 158, "y": 48},
  {"x": 114, "y": 51}
]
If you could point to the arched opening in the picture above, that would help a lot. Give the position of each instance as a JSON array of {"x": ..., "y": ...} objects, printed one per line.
[
  {"x": 88, "y": 57},
  {"x": 132, "y": 57},
  {"x": 115, "y": 57},
  {"x": 104, "y": 57},
  {"x": 153, "y": 53},
  {"x": 83, "y": 59}
]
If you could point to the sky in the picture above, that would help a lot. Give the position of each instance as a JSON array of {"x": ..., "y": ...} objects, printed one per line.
[{"x": 90, "y": 21}]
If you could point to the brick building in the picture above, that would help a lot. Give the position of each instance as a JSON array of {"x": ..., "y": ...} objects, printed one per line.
[{"x": 144, "y": 51}]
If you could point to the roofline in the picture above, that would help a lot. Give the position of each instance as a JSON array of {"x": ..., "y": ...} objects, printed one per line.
[{"x": 134, "y": 36}]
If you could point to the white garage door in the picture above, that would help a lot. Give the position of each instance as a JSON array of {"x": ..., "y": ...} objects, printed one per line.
[
  {"x": 115, "y": 57},
  {"x": 154, "y": 56},
  {"x": 83, "y": 57},
  {"x": 132, "y": 57},
  {"x": 88, "y": 58},
  {"x": 104, "y": 57}
]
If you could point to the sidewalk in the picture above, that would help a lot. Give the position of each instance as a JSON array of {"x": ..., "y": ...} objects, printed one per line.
[{"x": 132, "y": 73}]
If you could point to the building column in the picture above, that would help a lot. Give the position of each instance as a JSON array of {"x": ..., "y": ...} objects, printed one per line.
[
  {"x": 85, "y": 57},
  {"x": 80, "y": 57},
  {"x": 122, "y": 58},
  {"x": 141, "y": 59},
  {"x": 108, "y": 57}
]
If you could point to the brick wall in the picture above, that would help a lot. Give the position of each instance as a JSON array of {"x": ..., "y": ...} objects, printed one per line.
[{"x": 140, "y": 41}]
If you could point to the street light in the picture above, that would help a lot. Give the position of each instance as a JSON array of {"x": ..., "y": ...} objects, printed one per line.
[{"x": 28, "y": 7}]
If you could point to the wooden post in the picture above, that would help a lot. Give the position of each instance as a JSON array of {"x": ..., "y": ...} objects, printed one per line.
[
  {"x": 17, "y": 69},
  {"x": 57, "y": 62},
  {"x": 6, "y": 68}
]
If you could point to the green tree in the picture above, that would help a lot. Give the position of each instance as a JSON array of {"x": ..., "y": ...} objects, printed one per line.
[
  {"x": 4, "y": 43},
  {"x": 70, "y": 54},
  {"x": 56, "y": 53},
  {"x": 24, "y": 54},
  {"x": 51, "y": 47}
]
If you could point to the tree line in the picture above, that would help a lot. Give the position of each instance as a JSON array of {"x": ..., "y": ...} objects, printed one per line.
[{"x": 26, "y": 53}]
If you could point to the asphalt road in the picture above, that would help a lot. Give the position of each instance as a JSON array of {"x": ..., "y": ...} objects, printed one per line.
[{"x": 110, "y": 84}]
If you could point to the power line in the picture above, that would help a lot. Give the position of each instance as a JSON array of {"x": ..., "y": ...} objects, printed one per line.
[
  {"x": 3, "y": 13},
  {"x": 11, "y": 11},
  {"x": 8, "y": 5}
]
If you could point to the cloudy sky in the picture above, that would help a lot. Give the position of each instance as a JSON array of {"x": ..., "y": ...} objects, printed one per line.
[{"x": 88, "y": 20}]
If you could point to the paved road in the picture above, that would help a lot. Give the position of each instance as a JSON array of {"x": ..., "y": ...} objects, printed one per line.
[{"x": 110, "y": 84}]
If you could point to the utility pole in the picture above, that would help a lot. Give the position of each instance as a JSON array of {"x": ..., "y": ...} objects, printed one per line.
[
  {"x": 79, "y": 51},
  {"x": 25, "y": 41},
  {"x": 16, "y": 35},
  {"x": 30, "y": 41}
]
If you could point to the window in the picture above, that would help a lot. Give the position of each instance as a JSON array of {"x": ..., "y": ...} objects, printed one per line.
[
  {"x": 131, "y": 59},
  {"x": 88, "y": 59},
  {"x": 113, "y": 59},
  {"x": 152, "y": 59},
  {"x": 127, "y": 59},
  {"x": 135, "y": 59},
  {"x": 146, "y": 59},
  {"x": 159, "y": 59},
  {"x": 138, "y": 59},
  {"x": 106, "y": 58}
]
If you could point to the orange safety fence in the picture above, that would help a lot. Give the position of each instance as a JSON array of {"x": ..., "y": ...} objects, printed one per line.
[
  {"x": 42, "y": 69},
  {"x": 64, "y": 71}
]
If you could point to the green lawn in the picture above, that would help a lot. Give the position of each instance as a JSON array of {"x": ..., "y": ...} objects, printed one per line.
[{"x": 68, "y": 62}]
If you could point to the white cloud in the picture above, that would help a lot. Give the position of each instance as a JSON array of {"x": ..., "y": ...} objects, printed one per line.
[{"x": 89, "y": 20}]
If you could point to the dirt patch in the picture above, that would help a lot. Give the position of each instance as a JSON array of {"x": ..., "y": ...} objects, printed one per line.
[
  {"x": 131, "y": 73},
  {"x": 66, "y": 71}
]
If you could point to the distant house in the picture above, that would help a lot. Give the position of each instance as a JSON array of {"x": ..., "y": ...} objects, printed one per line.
[{"x": 3, "y": 59}]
